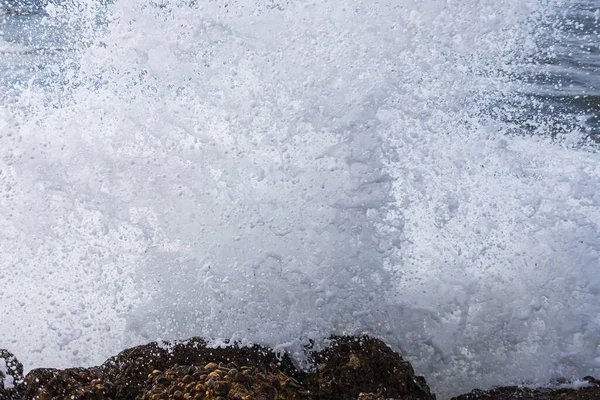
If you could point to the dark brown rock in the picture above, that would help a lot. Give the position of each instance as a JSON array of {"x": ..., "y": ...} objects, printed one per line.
[
  {"x": 129, "y": 370},
  {"x": 11, "y": 376},
  {"x": 352, "y": 366},
  {"x": 591, "y": 392},
  {"x": 72, "y": 383},
  {"x": 222, "y": 381}
]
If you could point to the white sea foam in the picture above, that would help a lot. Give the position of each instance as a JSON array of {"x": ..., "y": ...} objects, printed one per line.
[
  {"x": 275, "y": 173},
  {"x": 7, "y": 379}
]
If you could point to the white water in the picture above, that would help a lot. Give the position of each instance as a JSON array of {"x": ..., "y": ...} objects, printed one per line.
[{"x": 275, "y": 173}]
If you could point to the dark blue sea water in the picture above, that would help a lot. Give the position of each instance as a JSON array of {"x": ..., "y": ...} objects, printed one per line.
[
  {"x": 563, "y": 73},
  {"x": 568, "y": 75}
]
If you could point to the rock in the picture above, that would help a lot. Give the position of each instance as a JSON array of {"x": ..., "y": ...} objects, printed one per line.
[
  {"x": 222, "y": 381},
  {"x": 352, "y": 368},
  {"x": 362, "y": 366},
  {"x": 129, "y": 370},
  {"x": 72, "y": 383},
  {"x": 11, "y": 376},
  {"x": 591, "y": 392}
]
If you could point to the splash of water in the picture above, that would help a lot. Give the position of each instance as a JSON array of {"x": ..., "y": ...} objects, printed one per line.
[{"x": 276, "y": 172}]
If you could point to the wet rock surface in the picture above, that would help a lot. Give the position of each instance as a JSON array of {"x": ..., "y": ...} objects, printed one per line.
[
  {"x": 72, "y": 383},
  {"x": 222, "y": 381},
  {"x": 130, "y": 369},
  {"x": 354, "y": 365},
  {"x": 353, "y": 368},
  {"x": 590, "y": 392}
]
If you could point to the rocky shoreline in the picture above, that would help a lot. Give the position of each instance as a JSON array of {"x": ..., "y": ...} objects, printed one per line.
[{"x": 353, "y": 368}]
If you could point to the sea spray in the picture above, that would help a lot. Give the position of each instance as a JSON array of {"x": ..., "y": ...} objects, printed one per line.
[{"x": 277, "y": 172}]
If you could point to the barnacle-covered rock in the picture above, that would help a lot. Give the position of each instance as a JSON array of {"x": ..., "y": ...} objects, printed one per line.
[
  {"x": 72, "y": 383},
  {"x": 130, "y": 368},
  {"x": 222, "y": 381},
  {"x": 352, "y": 368}
]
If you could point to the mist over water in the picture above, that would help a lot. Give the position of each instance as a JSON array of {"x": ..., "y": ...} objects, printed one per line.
[{"x": 274, "y": 173}]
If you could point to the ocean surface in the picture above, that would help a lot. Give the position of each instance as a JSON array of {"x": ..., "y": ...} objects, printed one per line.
[{"x": 274, "y": 172}]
